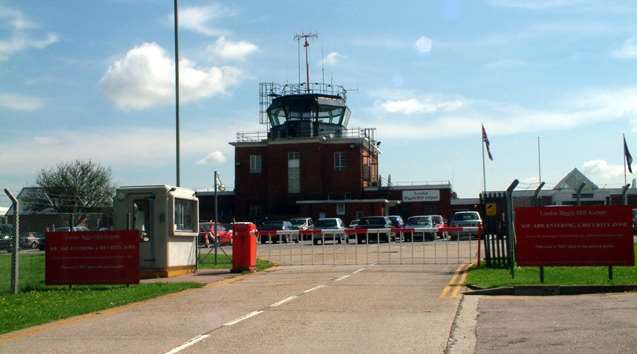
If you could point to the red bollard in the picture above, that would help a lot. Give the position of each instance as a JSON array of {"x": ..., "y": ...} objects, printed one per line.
[{"x": 244, "y": 247}]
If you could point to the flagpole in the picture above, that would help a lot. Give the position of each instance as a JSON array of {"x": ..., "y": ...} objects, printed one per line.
[
  {"x": 624, "y": 148},
  {"x": 484, "y": 173},
  {"x": 539, "y": 162}
]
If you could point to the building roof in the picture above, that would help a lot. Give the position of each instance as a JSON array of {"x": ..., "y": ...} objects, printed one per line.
[{"x": 573, "y": 180}]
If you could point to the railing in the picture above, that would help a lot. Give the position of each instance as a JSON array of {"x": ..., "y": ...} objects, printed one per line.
[{"x": 362, "y": 133}]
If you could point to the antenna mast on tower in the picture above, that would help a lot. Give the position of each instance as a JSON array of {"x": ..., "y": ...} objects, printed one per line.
[{"x": 305, "y": 37}]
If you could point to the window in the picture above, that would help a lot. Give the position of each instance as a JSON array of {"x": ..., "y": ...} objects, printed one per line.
[
  {"x": 340, "y": 160},
  {"x": 254, "y": 210},
  {"x": 255, "y": 163},
  {"x": 340, "y": 209},
  {"x": 184, "y": 215},
  {"x": 294, "y": 172}
]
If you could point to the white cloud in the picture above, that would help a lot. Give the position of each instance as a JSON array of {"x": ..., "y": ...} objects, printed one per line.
[
  {"x": 198, "y": 18},
  {"x": 534, "y": 4},
  {"x": 22, "y": 103},
  {"x": 423, "y": 44},
  {"x": 420, "y": 104},
  {"x": 602, "y": 170},
  {"x": 118, "y": 147},
  {"x": 215, "y": 157},
  {"x": 628, "y": 50},
  {"x": 230, "y": 50},
  {"x": 144, "y": 77},
  {"x": 15, "y": 19},
  {"x": 582, "y": 108},
  {"x": 332, "y": 58},
  {"x": 19, "y": 39}
]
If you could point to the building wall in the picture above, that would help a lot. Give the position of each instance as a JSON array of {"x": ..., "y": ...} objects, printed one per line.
[{"x": 318, "y": 177}]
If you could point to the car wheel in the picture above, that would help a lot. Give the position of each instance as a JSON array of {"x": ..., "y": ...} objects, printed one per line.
[
  {"x": 34, "y": 245},
  {"x": 263, "y": 240}
]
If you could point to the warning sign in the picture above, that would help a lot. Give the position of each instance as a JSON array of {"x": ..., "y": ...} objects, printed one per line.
[{"x": 491, "y": 209}]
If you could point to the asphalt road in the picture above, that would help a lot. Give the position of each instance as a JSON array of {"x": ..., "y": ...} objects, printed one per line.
[
  {"x": 296, "y": 309},
  {"x": 599, "y": 323}
]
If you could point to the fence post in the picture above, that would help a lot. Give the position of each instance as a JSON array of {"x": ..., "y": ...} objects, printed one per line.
[
  {"x": 510, "y": 231},
  {"x": 15, "y": 263}
]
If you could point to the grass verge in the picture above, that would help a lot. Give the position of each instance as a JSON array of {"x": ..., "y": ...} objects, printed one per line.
[
  {"x": 54, "y": 303},
  {"x": 492, "y": 278},
  {"x": 206, "y": 261}
]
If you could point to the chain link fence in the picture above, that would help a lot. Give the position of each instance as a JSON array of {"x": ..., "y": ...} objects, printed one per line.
[{"x": 34, "y": 221}]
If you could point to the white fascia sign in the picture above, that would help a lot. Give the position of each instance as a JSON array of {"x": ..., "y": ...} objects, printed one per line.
[{"x": 425, "y": 195}]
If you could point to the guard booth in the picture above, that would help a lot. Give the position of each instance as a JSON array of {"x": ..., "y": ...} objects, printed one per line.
[{"x": 167, "y": 218}]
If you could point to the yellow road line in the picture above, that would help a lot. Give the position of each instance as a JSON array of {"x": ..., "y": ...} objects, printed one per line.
[{"x": 456, "y": 282}]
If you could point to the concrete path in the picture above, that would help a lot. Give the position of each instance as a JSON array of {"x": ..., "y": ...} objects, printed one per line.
[{"x": 302, "y": 309}]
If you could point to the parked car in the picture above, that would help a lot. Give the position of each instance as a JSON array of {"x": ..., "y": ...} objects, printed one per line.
[
  {"x": 31, "y": 240},
  {"x": 465, "y": 219},
  {"x": 354, "y": 223},
  {"x": 7, "y": 233},
  {"x": 303, "y": 224},
  {"x": 634, "y": 221},
  {"x": 77, "y": 228},
  {"x": 374, "y": 222},
  {"x": 396, "y": 220},
  {"x": 332, "y": 229},
  {"x": 419, "y": 222},
  {"x": 207, "y": 233},
  {"x": 276, "y": 225}
]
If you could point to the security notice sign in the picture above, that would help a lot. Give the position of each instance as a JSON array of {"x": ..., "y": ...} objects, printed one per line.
[
  {"x": 105, "y": 257},
  {"x": 574, "y": 236},
  {"x": 424, "y": 195}
]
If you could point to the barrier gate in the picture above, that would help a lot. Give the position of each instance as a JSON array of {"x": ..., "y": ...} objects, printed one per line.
[{"x": 427, "y": 245}]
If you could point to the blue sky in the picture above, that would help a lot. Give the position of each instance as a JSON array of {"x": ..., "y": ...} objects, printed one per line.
[{"x": 94, "y": 80}]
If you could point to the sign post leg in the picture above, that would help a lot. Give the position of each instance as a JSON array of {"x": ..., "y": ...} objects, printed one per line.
[
  {"x": 542, "y": 274},
  {"x": 610, "y": 272}
]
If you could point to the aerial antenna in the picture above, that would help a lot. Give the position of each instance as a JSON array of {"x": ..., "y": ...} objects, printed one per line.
[
  {"x": 306, "y": 45},
  {"x": 322, "y": 66}
]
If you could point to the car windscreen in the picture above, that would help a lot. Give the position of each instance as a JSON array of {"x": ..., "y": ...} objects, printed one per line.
[
  {"x": 419, "y": 221},
  {"x": 273, "y": 224},
  {"x": 298, "y": 222},
  {"x": 372, "y": 221},
  {"x": 326, "y": 223},
  {"x": 466, "y": 216}
]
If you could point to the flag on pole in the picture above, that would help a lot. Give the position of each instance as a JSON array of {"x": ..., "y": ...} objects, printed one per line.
[
  {"x": 628, "y": 156},
  {"x": 485, "y": 139}
]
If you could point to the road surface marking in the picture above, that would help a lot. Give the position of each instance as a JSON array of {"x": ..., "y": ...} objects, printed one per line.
[
  {"x": 343, "y": 277},
  {"x": 459, "y": 285},
  {"x": 314, "y": 288},
  {"x": 242, "y": 318},
  {"x": 453, "y": 282},
  {"x": 290, "y": 298},
  {"x": 190, "y": 342},
  {"x": 358, "y": 271}
]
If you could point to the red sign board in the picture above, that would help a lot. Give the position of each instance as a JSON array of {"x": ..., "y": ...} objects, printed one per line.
[
  {"x": 105, "y": 257},
  {"x": 574, "y": 236}
]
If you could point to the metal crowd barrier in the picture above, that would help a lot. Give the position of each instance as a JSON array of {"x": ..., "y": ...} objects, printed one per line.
[{"x": 442, "y": 245}]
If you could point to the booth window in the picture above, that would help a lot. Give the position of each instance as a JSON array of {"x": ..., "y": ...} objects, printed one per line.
[
  {"x": 255, "y": 163},
  {"x": 340, "y": 160},
  {"x": 184, "y": 215}
]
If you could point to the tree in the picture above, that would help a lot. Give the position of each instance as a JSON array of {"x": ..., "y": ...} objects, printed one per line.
[{"x": 77, "y": 187}]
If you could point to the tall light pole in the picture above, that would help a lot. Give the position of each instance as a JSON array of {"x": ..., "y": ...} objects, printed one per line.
[{"x": 177, "y": 91}]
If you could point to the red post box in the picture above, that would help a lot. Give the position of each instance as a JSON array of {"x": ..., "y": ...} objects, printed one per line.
[{"x": 244, "y": 247}]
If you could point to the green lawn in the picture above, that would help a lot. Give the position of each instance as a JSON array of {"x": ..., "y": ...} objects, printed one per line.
[
  {"x": 492, "y": 278},
  {"x": 38, "y": 304},
  {"x": 49, "y": 304},
  {"x": 206, "y": 261}
]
